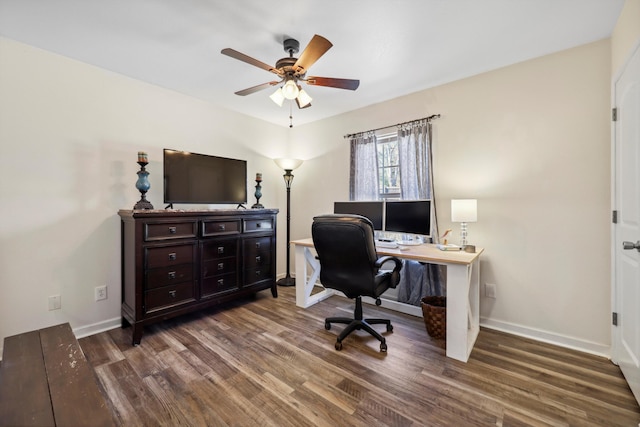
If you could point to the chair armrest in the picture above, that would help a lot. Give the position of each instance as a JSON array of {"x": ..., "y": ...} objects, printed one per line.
[
  {"x": 380, "y": 261},
  {"x": 395, "y": 273}
]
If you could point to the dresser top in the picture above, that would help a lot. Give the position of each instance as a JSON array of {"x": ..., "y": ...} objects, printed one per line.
[{"x": 149, "y": 213}]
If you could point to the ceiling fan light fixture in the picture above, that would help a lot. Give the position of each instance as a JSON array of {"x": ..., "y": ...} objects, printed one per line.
[
  {"x": 293, "y": 70},
  {"x": 277, "y": 97},
  {"x": 303, "y": 99},
  {"x": 290, "y": 89}
]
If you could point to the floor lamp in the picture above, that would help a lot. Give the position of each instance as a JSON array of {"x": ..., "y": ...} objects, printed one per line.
[{"x": 288, "y": 165}]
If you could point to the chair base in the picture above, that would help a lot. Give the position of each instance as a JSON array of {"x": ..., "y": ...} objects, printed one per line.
[{"x": 358, "y": 323}]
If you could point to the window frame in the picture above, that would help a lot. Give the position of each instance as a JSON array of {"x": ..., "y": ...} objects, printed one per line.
[{"x": 386, "y": 162}]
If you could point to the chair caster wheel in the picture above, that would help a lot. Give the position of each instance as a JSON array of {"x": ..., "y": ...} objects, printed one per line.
[
  {"x": 383, "y": 347},
  {"x": 327, "y": 325},
  {"x": 338, "y": 345},
  {"x": 389, "y": 328}
]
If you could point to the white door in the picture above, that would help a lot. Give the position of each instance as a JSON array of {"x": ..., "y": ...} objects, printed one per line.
[{"x": 626, "y": 232}]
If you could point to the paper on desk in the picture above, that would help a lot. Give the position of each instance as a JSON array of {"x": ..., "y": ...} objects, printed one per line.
[{"x": 448, "y": 247}]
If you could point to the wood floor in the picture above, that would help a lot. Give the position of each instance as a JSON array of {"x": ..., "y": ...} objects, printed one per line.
[{"x": 266, "y": 362}]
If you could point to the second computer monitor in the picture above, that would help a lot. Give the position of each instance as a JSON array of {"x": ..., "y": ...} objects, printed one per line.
[
  {"x": 374, "y": 210},
  {"x": 408, "y": 216}
]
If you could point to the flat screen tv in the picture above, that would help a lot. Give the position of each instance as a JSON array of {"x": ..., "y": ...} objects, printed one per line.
[
  {"x": 370, "y": 209},
  {"x": 203, "y": 179}
]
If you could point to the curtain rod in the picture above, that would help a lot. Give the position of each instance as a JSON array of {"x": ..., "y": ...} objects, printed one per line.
[{"x": 431, "y": 117}]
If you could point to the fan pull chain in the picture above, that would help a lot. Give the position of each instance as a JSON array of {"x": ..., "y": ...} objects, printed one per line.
[{"x": 290, "y": 114}]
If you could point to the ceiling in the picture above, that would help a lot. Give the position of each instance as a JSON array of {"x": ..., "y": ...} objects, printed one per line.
[{"x": 393, "y": 47}]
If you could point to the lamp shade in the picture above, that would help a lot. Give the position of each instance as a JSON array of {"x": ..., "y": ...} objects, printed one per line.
[
  {"x": 303, "y": 99},
  {"x": 464, "y": 210},
  {"x": 288, "y": 164},
  {"x": 277, "y": 97},
  {"x": 290, "y": 90}
]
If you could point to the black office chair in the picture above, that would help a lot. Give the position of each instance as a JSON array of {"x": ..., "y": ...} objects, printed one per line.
[{"x": 349, "y": 263}]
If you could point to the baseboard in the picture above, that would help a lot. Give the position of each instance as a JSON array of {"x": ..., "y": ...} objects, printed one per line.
[
  {"x": 548, "y": 337},
  {"x": 395, "y": 306},
  {"x": 96, "y": 328}
]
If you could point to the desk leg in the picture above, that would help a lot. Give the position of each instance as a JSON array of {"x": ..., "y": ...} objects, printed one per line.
[
  {"x": 463, "y": 309},
  {"x": 306, "y": 261}
]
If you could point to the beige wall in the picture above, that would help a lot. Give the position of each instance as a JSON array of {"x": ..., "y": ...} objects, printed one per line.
[
  {"x": 69, "y": 134},
  {"x": 531, "y": 143}
]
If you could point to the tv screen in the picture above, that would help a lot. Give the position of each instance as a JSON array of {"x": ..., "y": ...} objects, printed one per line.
[
  {"x": 408, "y": 216},
  {"x": 372, "y": 210},
  {"x": 204, "y": 179}
]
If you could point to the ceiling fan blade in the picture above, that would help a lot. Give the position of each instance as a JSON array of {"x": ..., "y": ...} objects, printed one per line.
[
  {"x": 317, "y": 47},
  {"x": 257, "y": 88},
  {"x": 332, "y": 82},
  {"x": 249, "y": 60}
]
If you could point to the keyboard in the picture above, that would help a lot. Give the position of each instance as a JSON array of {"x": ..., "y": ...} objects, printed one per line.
[{"x": 386, "y": 244}]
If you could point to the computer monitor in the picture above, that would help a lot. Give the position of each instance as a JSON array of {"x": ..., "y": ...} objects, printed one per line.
[
  {"x": 373, "y": 210},
  {"x": 408, "y": 216}
]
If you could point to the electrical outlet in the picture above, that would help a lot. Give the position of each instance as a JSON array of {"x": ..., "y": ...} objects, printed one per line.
[
  {"x": 100, "y": 293},
  {"x": 55, "y": 302},
  {"x": 490, "y": 290}
]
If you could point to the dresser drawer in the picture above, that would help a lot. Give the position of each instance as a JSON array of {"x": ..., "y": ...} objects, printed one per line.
[
  {"x": 218, "y": 284},
  {"x": 220, "y": 228},
  {"x": 170, "y": 230},
  {"x": 169, "y": 296},
  {"x": 254, "y": 225},
  {"x": 219, "y": 249},
  {"x": 258, "y": 246},
  {"x": 258, "y": 260},
  {"x": 216, "y": 267},
  {"x": 167, "y": 256},
  {"x": 257, "y": 275},
  {"x": 158, "y": 277}
]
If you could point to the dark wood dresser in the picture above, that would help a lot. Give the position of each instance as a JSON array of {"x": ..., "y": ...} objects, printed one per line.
[{"x": 176, "y": 262}]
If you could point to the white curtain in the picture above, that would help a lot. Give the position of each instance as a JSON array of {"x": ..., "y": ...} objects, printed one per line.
[
  {"x": 416, "y": 167},
  {"x": 363, "y": 179},
  {"x": 416, "y": 182}
]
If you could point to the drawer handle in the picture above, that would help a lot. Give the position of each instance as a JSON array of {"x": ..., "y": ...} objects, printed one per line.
[
  {"x": 258, "y": 273},
  {"x": 220, "y": 249},
  {"x": 172, "y": 230},
  {"x": 172, "y": 294},
  {"x": 258, "y": 225},
  {"x": 221, "y": 266},
  {"x": 220, "y": 282},
  {"x": 172, "y": 275},
  {"x": 258, "y": 259},
  {"x": 257, "y": 245},
  {"x": 221, "y": 227},
  {"x": 172, "y": 256}
]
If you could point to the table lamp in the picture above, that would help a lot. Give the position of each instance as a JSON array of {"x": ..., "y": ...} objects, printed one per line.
[
  {"x": 464, "y": 211},
  {"x": 288, "y": 165}
]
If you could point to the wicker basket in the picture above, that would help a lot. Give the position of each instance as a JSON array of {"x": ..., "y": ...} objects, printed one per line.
[{"x": 434, "y": 311}]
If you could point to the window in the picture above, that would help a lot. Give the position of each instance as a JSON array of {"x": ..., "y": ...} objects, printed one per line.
[{"x": 388, "y": 166}]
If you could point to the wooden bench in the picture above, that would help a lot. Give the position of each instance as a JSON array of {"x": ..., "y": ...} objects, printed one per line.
[{"x": 45, "y": 380}]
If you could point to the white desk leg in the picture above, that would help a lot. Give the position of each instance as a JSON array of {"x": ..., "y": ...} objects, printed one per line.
[
  {"x": 304, "y": 282},
  {"x": 463, "y": 314}
]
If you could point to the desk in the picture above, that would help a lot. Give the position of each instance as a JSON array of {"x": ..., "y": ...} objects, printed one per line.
[{"x": 463, "y": 288}]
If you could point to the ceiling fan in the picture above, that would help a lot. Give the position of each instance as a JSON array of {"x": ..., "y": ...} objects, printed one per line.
[{"x": 293, "y": 70}]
